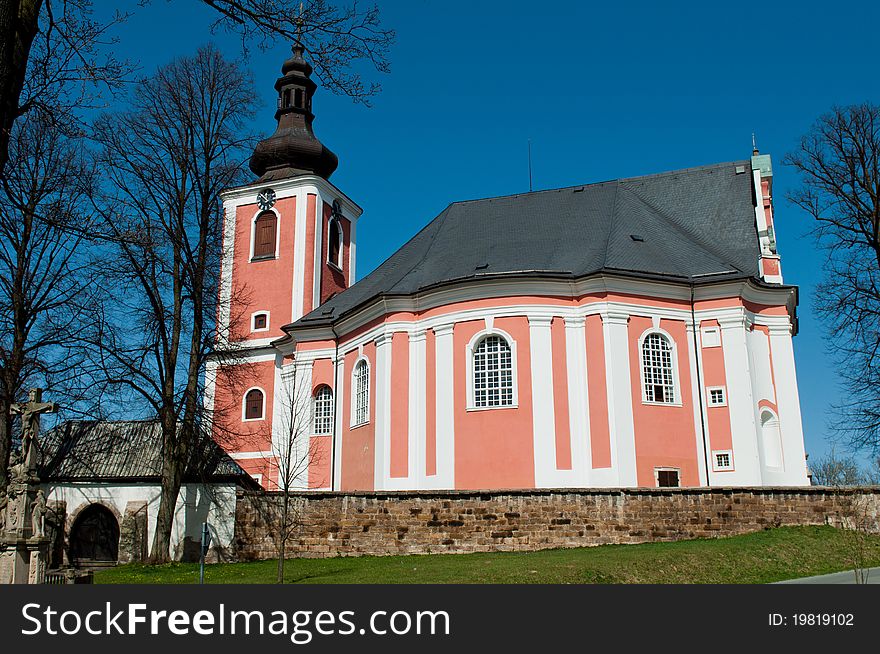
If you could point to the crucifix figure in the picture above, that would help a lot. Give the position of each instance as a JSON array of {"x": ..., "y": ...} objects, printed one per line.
[{"x": 30, "y": 412}]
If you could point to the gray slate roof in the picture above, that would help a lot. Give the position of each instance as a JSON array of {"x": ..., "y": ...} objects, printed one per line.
[
  {"x": 692, "y": 223},
  {"x": 96, "y": 450}
]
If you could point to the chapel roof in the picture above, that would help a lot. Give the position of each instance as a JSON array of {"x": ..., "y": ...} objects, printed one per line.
[
  {"x": 125, "y": 451},
  {"x": 695, "y": 225}
]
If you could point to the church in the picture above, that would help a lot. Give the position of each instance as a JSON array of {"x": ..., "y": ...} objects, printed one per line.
[{"x": 629, "y": 333}]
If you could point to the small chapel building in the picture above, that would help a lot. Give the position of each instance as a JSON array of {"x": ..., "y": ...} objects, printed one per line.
[{"x": 634, "y": 332}]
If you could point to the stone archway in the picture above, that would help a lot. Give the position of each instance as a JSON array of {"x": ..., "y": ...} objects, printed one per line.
[{"x": 94, "y": 538}]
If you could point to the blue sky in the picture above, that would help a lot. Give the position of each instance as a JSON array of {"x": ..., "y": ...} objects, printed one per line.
[{"x": 603, "y": 91}]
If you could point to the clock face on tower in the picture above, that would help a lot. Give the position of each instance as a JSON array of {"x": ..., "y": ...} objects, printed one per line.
[{"x": 266, "y": 199}]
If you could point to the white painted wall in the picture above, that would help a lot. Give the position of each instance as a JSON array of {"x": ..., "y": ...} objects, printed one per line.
[{"x": 195, "y": 505}]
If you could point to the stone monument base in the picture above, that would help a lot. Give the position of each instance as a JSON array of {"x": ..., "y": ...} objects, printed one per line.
[{"x": 24, "y": 561}]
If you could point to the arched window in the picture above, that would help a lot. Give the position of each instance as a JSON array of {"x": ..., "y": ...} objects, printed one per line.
[
  {"x": 323, "y": 411},
  {"x": 493, "y": 373},
  {"x": 253, "y": 404},
  {"x": 334, "y": 247},
  {"x": 361, "y": 393},
  {"x": 264, "y": 235},
  {"x": 657, "y": 371}
]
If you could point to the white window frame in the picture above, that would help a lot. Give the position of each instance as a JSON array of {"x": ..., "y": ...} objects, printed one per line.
[
  {"x": 469, "y": 354},
  {"x": 676, "y": 380},
  {"x": 353, "y": 422},
  {"x": 709, "y": 401},
  {"x": 258, "y": 477},
  {"x": 718, "y": 468},
  {"x": 335, "y": 264},
  {"x": 315, "y": 431},
  {"x": 710, "y": 336},
  {"x": 244, "y": 405},
  {"x": 660, "y": 469},
  {"x": 254, "y": 234},
  {"x": 254, "y": 318}
]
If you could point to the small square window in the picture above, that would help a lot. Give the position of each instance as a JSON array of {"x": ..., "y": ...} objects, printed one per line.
[
  {"x": 667, "y": 478},
  {"x": 711, "y": 337},
  {"x": 261, "y": 321},
  {"x": 723, "y": 460},
  {"x": 717, "y": 396}
]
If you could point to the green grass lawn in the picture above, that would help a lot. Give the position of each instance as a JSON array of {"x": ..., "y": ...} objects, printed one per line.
[{"x": 756, "y": 558}]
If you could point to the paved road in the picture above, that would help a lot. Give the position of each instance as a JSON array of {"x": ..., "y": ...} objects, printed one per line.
[{"x": 837, "y": 578}]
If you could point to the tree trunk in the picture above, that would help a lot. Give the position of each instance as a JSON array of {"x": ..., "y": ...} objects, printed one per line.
[
  {"x": 172, "y": 477},
  {"x": 282, "y": 548},
  {"x": 5, "y": 442},
  {"x": 19, "y": 24}
]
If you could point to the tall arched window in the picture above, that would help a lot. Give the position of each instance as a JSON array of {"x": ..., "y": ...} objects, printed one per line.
[
  {"x": 334, "y": 247},
  {"x": 493, "y": 373},
  {"x": 265, "y": 228},
  {"x": 253, "y": 404},
  {"x": 323, "y": 411},
  {"x": 657, "y": 371},
  {"x": 361, "y": 393}
]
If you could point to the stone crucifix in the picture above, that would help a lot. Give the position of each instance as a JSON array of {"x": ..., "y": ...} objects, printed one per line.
[{"x": 30, "y": 413}]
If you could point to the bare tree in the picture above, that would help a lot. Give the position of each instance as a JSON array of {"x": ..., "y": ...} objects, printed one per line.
[
  {"x": 55, "y": 59},
  {"x": 839, "y": 165},
  {"x": 44, "y": 272},
  {"x": 838, "y": 471},
  {"x": 166, "y": 160},
  {"x": 61, "y": 38},
  {"x": 293, "y": 452}
]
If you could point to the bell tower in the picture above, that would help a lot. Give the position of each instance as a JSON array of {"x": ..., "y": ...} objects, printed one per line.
[{"x": 288, "y": 245}]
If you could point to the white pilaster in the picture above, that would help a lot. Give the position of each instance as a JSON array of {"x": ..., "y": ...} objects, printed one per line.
[
  {"x": 299, "y": 253},
  {"x": 789, "y": 406},
  {"x": 578, "y": 400},
  {"x": 382, "y": 395},
  {"x": 740, "y": 403},
  {"x": 620, "y": 412},
  {"x": 417, "y": 426},
  {"x": 339, "y": 402},
  {"x": 543, "y": 413},
  {"x": 445, "y": 403},
  {"x": 318, "y": 261}
]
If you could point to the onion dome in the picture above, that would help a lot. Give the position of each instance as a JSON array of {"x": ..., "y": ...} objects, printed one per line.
[{"x": 293, "y": 149}]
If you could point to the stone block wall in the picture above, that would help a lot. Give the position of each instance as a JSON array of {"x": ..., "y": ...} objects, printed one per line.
[{"x": 425, "y": 522}]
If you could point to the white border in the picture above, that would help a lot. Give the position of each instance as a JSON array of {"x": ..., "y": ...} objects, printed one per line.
[
  {"x": 259, "y": 213},
  {"x": 716, "y": 467},
  {"x": 244, "y": 405},
  {"x": 676, "y": 388},
  {"x": 709, "y": 401},
  {"x": 469, "y": 353},
  {"x": 268, "y": 320},
  {"x": 353, "y": 387}
]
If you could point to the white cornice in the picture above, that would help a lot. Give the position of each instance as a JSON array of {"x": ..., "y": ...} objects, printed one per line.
[
  {"x": 285, "y": 188},
  {"x": 564, "y": 289}
]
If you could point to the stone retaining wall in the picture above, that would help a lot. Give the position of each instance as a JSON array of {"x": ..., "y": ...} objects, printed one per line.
[{"x": 382, "y": 523}]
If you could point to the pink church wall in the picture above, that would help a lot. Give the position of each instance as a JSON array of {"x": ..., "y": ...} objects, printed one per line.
[
  {"x": 308, "y": 301},
  {"x": 358, "y": 444},
  {"x": 600, "y": 435},
  {"x": 234, "y": 433},
  {"x": 334, "y": 280},
  {"x": 399, "y": 404},
  {"x": 718, "y": 417},
  {"x": 560, "y": 395},
  {"x": 320, "y": 446},
  {"x": 664, "y": 435},
  {"x": 430, "y": 403},
  {"x": 493, "y": 447},
  {"x": 262, "y": 285}
]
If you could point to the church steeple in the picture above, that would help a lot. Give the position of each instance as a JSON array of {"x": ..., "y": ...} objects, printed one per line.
[{"x": 293, "y": 149}]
